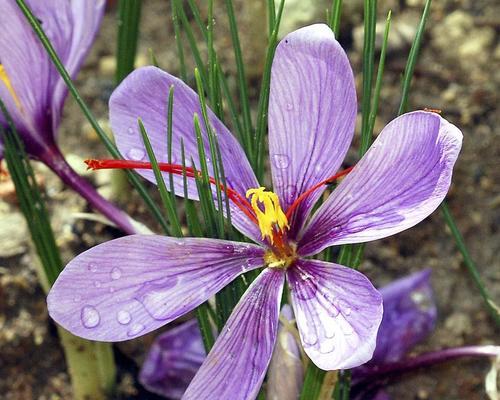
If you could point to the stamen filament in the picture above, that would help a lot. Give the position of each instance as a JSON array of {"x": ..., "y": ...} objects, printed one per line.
[
  {"x": 176, "y": 169},
  {"x": 304, "y": 195}
]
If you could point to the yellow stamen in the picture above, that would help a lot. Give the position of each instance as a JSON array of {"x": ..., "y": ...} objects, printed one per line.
[
  {"x": 5, "y": 79},
  {"x": 274, "y": 261},
  {"x": 272, "y": 219}
]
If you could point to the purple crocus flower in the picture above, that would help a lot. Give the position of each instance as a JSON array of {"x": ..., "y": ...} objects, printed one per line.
[
  {"x": 409, "y": 317},
  {"x": 32, "y": 89},
  {"x": 130, "y": 286}
]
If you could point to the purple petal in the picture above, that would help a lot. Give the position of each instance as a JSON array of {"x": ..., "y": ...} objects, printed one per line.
[
  {"x": 86, "y": 19},
  {"x": 409, "y": 316},
  {"x": 129, "y": 286},
  {"x": 144, "y": 94},
  {"x": 401, "y": 180},
  {"x": 338, "y": 313},
  {"x": 286, "y": 373},
  {"x": 71, "y": 27},
  {"x": 312, "y": 112},
  {"x": 173, "y": 360},
  {"x": 236, "y": 365}
]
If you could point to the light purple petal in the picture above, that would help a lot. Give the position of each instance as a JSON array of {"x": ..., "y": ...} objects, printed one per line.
[
  {"x": 173, "y": 360},
  {"x": 401, "y": 180},
  {"x": 286, "y": 373},
  {"x": 338, "y": 313},
  {"x": 409, "y": 316},
  {"x": 236, "y": 365},
  {"x": 312, "y": 112},
  {"x": 86, "y": 19},
  {"x": 144, "y": 94},
  {"x": 71, "y": 27},
  {"x": 129, "y": 286}
]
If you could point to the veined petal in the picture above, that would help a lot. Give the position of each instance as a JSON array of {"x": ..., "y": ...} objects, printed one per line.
[
  {"x": 401, "y": 180},
  {"x": 129, "y": 286},
  {"x": 236, "y": 365},
  {"x": 144, "y": 94},
  {"x": 173, "y": 360},
  {"x": 312, "y": 112},
  {"x": 338, "y": 313}
]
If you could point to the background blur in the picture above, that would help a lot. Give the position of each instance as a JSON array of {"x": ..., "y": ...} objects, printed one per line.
[{"x": 458, "y": 72}]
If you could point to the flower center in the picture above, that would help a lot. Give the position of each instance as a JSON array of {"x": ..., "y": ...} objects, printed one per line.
[
  {"x": 270, "y": 217},
  {"x": 282, "y": 258},
  {"x": 8, "y": 84}
]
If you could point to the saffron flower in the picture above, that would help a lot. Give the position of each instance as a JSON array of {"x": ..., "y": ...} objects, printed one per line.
[
  {"x": 33, "y": 91},
  {"x": 132, "y": 285}
]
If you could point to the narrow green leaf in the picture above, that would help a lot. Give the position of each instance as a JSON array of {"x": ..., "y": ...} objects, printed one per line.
[
  {"x": 334, "y": 20},
  {"x": 413, "y": 57},
  {"x": 178, "y": 41},
  {"x": 129, "y": 15}
]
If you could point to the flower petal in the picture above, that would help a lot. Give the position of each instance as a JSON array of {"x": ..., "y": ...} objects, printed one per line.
[
  {"x": 144, "y": 94},
  {"x": 85, "y": 23},
  {"x": 39, "y": 90},
  {"x": 129, "y": 286},
  {"x": 236, "y": 365},
  {"x": 401, "y": 180},
  {"x": 338, "y": 313},
  {"x": 312, "y": 112},
  {"x": 409, "y": 316},
  {"x": 173, "y": 360}
]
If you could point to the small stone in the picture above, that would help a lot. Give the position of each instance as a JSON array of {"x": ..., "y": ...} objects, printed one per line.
[
  {"x": 107, "y": 65},
  {"x": 13, "y": 234}
]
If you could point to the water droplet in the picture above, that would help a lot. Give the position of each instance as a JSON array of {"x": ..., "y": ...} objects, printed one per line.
[
  {"x": 116, "y": 273},
  {"x": 347, "y": 310},
  {"x": 90, "y": 317},
  {"x": 228, "y": 248},
  {"x": 77, "y": 298},
  {"x": 97, "y": 284},
  {"x": 281, "y": 161},
  {"x": 92, "y": 267},
  {"x": 123, "y": 317},
  {"x": 289, "y": 106},
  {"x": 130, "y": 130},
  {"x": 156, "y": 301},
  {"x": 111, "y": 289},
  {"x": 135, "y": 329},
  {"x": 136, "y": 154},
  {"x": 326, "y": 346}
]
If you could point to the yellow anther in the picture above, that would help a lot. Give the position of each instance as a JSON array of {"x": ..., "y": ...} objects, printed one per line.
[
  {"x": 5, "y": 79},
  {"x": 270, "y": 216},
  {"x": 274, "y": 261}
]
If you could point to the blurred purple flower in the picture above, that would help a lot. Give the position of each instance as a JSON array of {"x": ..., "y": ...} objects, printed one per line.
[
  {"x": 168, "y": 368},
  {"x": 32, "y": 89},
  {"x": 130, "y": 286}
]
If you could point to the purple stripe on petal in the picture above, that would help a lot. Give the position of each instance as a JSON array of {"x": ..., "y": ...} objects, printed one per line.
[
  {"x": 236, "y": 365},
  {"x": 312, "y": 112},
  {"x": 129, "y": 286},
  {"x": 401, "y": 180},
  {"x": 173, "y": 360},
  {"x": 338, "y": 313},
  {"x": 144, "y": 94}
]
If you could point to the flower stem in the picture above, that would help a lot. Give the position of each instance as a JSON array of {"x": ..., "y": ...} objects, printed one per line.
[
  {"x": 90, "y": 365},
  {"x": 55, "y": 161}
]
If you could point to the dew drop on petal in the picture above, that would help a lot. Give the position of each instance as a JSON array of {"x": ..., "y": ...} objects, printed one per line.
[
  {"x": 123, "y": 317},
  {"x": 229, "y": 248},
  {"x": 97, "y": 284},
  {"x": 90, "y": 317},
  {"x": 326, "y": 346},
  {"x": 136, "y": 154},
  {"x": 130, "y": 130},
  {"x": 77, "y": 298},
  {"x": 92, "y": 267},
  {"x": 289, "y": 106},
  {"x": 281, "y": 161},
  {"x": 135, "y": 329},
  {"x": 116, "y": 273}
]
